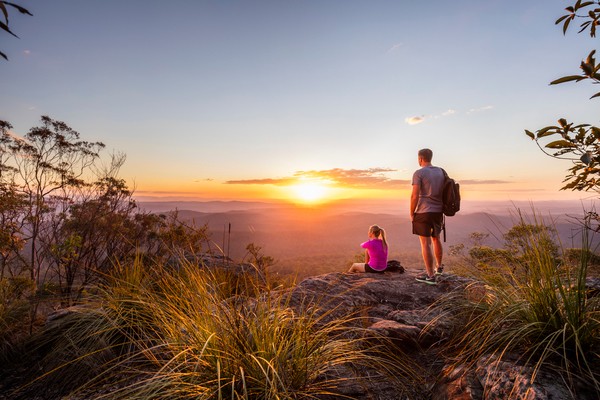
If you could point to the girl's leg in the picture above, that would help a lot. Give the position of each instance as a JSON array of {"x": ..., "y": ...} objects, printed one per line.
[{"x": 357, "y": 267}]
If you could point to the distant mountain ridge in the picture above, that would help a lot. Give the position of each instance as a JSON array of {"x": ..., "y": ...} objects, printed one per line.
[
  {"x": 203, "y": 206},
  {"x": 399, "y": 206}
]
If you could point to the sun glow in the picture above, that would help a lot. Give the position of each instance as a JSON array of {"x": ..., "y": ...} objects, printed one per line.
[{"x": 310, "y": 192}]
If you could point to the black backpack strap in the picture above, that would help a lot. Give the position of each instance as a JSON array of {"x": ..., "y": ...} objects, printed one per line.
[
  {"x": 444, "y": 217},
  {"x": 444, "y": 226}
]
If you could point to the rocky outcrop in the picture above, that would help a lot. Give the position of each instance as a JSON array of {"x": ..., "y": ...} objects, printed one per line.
[
  {"x": 398, "y": 307},
  {"x": 395, "y": 303}
]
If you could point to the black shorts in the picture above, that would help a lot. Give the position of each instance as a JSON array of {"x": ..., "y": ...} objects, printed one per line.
[
  {"x": 428, "y": 224},
  {"x": 371, "y": 270}
]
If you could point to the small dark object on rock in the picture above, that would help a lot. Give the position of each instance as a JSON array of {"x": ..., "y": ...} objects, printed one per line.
[{"x": 394, "y": 266}]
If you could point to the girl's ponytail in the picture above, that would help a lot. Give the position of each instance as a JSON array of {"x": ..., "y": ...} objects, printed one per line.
[
  {"x": 385, "y": 245},
  {"x": 379, "y": 233}
]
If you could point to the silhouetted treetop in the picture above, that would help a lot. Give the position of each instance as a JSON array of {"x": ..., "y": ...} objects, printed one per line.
[{"x": 4, "y": 21}]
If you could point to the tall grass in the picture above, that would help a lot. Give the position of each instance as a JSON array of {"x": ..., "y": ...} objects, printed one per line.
[
  {"x": 155, "y": 332},
  {"x": 534, "y": 307},
  {"x": 14, "y": 314}
]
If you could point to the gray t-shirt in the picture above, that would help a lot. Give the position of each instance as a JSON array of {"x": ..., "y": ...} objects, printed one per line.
[{"x": 431, "y": 183}]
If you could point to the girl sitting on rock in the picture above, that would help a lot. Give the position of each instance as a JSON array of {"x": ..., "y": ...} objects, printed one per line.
[{"x": 376, "y": 251}]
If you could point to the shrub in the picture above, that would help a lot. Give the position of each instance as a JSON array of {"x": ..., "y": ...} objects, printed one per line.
[
  {"x": 538, "y": 309},
  {"x": 14, "y": 312}
]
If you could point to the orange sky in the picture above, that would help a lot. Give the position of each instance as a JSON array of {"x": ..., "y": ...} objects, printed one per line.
[{"x": 316, "y": 191}]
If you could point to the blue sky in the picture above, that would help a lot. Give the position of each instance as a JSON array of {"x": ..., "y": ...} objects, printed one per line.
[{"x": 238, "y": 99}]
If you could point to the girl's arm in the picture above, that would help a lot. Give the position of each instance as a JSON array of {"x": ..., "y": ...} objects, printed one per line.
[{"x": 367, "y": 258}]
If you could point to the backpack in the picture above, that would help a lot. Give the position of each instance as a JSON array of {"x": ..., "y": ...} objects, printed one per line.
[
  {"x": 450, "y": 199},
  {"x": 394, "y": 266},
  {"x": 450, "y": 196}
]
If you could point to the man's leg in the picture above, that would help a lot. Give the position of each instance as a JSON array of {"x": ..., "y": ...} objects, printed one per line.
[
  {"x": 427, "y": 253},
  {"x": 438, "y": 250}
]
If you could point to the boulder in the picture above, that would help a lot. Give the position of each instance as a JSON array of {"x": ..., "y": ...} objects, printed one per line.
[{"x": 494, "y": 378}]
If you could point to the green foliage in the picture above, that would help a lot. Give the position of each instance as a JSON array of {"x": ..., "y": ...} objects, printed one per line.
[
  {"x": 578, "y": 255},
  {"x": 14, "y": 312},
  {"x": 485, "y": 255},
  {"x": 12, "y": 205},
  {"x": 172, "y": 236},
  {"x": 579, "y": 143},
  {"x": 477, "y": 238},
  {"x": 589, "y": 11},
  {"x": 517, "y": 240},
  {"x": 493, "y": 264},
  {"x": 259, "y": 260},
  {"x": 156, "y": 332},
  {"x": 359, "y": 257},
  {"x": 482, "y": 262}
]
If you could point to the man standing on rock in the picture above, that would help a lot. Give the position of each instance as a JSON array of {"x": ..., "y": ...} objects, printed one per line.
[{"x": 426, "y": 214}]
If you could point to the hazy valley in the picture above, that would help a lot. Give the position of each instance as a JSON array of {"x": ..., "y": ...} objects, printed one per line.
[{"x": 314, "y": 240}]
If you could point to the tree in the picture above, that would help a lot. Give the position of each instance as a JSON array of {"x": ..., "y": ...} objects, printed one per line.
[
  {"x": 88, "y": 236},
  {"x": 67, "y": 219},
  {"x": 49, "y": 167},
  {"x": 579, "y": 143},
  {"x": 520, "y": 239},
  {"x": 4, "y": 24},
  {"x": 12, "y": 206}
]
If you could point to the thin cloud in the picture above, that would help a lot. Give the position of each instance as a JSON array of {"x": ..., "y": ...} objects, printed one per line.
[
  {"x": 372, "y": 178},
  {"x": 483, "y": 182},
  {"x": 165, "y": 192},
  {"x": 419, "y": 119},
  {"x": 264, "y": 181},
  {"x": 355, "y": 178},
  {"x": 394, "y": 47},
  {"x": 529, "y": 190},
  {"x": 448, "y": 113},
  {"x": 480, "y": 109},
  {"x": 512, "y": 190},
  {"x": 414, "y": 120}
]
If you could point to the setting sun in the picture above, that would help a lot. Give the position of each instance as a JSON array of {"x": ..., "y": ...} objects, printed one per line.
[{"x": 310, "y": 192}]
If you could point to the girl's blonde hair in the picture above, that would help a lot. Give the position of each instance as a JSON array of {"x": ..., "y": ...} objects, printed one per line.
[{"x": 379, "y": 233}]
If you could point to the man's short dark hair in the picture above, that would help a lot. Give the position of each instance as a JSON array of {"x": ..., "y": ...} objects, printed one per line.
[{"x": 426, "y": 154}]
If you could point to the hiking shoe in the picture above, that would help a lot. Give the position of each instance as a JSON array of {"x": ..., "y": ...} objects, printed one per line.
[
  {"x": 439, "y": 270},
  {"x": 426, "y": 279}
]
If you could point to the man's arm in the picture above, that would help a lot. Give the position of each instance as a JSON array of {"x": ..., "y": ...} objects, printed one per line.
[{"x": 414, "y": 199}]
